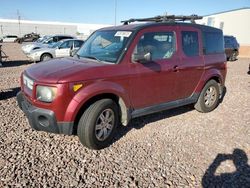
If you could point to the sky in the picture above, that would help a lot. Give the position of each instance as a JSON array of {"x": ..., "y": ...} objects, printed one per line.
[{"x": 103, "y": 11}]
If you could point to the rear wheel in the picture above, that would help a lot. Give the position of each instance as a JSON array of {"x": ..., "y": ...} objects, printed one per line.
[
  {"x": 209, "y": 97},
  {"x": 98, "y": 124},
  {"x": 46, "y": 57},
  {"x": 233, "y": 56}
]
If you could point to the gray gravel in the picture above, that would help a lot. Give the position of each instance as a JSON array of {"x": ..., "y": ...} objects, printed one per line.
[{"x": 175, "y": 148}]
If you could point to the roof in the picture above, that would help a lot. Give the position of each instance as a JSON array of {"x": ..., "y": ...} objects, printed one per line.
[
  {"x": 71, "y": 39},
  {"x": 244, "y": 8},
  {"x": 136, "y": 27},
  {"x": 129, "y": 27}
]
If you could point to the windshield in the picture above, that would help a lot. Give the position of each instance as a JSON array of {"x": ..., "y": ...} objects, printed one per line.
[
  {"x": 104, "y": 45},
  {"x": 40, "y": 40}
]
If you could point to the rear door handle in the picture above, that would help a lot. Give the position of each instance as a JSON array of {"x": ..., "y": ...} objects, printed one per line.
[{"x": 176, "y": 68}]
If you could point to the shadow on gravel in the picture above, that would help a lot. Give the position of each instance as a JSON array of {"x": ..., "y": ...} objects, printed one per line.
[
  {"x": 239, "y": 178},
  {"x": 9, "y": 93},
  {"x": 15, "y": 63},
  {"x": 223, "y": 94},
  {"x": 140, "y": 122}
]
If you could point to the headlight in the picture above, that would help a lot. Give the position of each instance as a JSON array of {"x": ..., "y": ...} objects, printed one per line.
[{"x": 45, "y": 93}]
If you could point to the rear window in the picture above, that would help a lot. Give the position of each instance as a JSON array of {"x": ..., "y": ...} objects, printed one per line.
[
  {"x": 213, "y": 42},
  {"x": 64, "y": 37}
]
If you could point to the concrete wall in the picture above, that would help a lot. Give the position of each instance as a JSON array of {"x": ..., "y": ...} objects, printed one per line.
[
  {"x": 14, "y": 27},
  {"x": 236, "y": 23}
]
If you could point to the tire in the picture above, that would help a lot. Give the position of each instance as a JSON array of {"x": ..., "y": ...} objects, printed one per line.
[
  {"x": 233, "y": 56},
  {"x": 209, "y": 97},
  {"x": 46, "y": 57},
  {"x": 91, "y": 135}
]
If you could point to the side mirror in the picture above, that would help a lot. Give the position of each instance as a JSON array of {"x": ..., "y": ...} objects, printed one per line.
[{"x": 142, "y": 58}]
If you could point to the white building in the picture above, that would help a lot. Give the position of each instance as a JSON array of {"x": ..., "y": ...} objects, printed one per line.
[
  {"x": 234, "y": 22},
  {"x": 21, "y": 27}
]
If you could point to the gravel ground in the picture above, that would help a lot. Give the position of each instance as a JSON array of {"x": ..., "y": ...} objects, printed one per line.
[{"x": 175, "y": 148}]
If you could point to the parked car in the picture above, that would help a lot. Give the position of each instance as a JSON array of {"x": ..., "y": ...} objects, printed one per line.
[
  {"x": 59, "y": 49},
  {"x": 31, "y": 37},
  {"x": 124, "y": 72},
  {"x": 9, "y": 38},
  {"x": 231, "y": 48},
  {"x": 45, "y": 42}
]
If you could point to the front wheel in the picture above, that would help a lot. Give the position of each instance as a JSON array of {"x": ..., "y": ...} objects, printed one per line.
[
  {"x": 98, "y": 124},
  {"x": 46, "y": 57},
  {"x": 209, "y": 97}
]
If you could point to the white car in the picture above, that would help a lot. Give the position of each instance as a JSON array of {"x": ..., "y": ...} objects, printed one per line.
[
  {"x": 44, "y": 42},
  {"x": 59, "y": 49},
  {"x": 9, "y": 38}
]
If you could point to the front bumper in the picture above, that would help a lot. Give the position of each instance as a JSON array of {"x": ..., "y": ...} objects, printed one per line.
[
  {"x": 43, "y": 119},
  {"x": 33, "y": 57}
]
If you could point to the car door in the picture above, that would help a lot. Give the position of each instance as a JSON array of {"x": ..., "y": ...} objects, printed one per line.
[
  {"x": 64, "y": 49},
  {"x": 154, "y": 81},
  {"x": 191, "y": 67}
]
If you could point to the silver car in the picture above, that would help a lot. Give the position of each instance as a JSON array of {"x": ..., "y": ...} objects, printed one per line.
[
  {"x": 59, "y": 49},
  {"x": 44, "y": 42}
]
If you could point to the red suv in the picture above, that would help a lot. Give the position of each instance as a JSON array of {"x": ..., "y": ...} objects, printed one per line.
[{"x": 124, "y": 72}]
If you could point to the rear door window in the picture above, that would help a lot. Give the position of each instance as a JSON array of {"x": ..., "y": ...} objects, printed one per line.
[{"x": 190, "y": 43}]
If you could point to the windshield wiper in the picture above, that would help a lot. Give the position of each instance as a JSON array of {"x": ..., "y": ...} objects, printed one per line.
[
  {"x": 91, "y": 57},
  {"x": 77, "y": 55}
]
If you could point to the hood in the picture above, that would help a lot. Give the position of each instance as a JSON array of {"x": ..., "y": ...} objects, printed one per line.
[
  {"x": 29, "y": 47},
  {"x": 65, "y": 70},
  {"x": 41, "y": 50},
  {"x": 32, "y": 45}
]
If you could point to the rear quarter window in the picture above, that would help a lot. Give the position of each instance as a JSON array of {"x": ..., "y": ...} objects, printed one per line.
[{"x": 213, "y": 43}]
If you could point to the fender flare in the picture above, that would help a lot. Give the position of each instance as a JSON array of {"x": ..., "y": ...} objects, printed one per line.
[
  {"x": 102, "y": 88},
  {"x": 208, "y": 75}
]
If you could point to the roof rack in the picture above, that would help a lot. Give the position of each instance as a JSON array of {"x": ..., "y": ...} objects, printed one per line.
[{"x": 165, "y": 18}]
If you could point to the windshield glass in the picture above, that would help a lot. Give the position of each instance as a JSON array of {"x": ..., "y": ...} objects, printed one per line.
[
  {"x": 40, "y": 40},
  {"x": 105, "y": 45}
]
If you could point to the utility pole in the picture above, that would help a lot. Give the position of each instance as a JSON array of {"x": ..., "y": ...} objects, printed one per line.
[
  {"x": 19, "y": 22},
  {"x": 115, "y": 10},
  {"x": 1, "y": 30}
]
